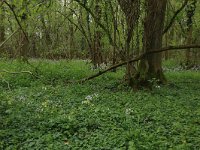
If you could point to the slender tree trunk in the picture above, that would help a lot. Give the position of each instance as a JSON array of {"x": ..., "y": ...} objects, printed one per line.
[
  {"x": 23, "y": 46},
  {"x": 98, "y": 59},
  {"x": 48, "y": 39},
  {"x": 2, "y": 29},
  {"x": 151, "y": 66},
  {"x": 166, "y": 54},
  {"x": 71, "y": 42},
  {"x": 131, "y": 11},
  {"x": 115, "y": 26},
  {"x": 90, "y": 47},
  {"x": 190, "y": 10},
  {"x": 188, "y": 53}
]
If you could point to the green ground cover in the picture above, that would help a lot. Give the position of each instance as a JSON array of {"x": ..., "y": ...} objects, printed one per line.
[{"x": 49, "y": 113}]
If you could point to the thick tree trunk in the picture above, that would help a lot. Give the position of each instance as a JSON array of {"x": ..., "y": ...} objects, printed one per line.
[{"x": 151, "y": 66}]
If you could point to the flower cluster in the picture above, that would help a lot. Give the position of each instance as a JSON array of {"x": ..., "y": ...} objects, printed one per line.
[
  {"x": 89, "y": 98},
  {"x": 128, "y": 111}
]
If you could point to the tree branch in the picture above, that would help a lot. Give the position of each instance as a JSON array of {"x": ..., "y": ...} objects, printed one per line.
[
  {"x": 181, "y": 47},
  {"x": 81, "y": 29},
  {"x": 18, "y": 22},
  {"x": 97, "y": 21},
  {"x": 8, "y": 38},
  {"x": 174, "y": 17}
]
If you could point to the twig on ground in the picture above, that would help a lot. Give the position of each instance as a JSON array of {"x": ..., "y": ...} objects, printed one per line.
[{"x": 5, "y": 71}]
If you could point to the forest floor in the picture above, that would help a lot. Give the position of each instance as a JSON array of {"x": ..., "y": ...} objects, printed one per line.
[{"x": 47, "y": 112}]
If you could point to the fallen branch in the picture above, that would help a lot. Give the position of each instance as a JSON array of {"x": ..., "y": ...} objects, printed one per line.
[
  {"x": 28, "y": 72},
  {"x": 181, "y": 47},
  {"x": 5, "y": 71}
]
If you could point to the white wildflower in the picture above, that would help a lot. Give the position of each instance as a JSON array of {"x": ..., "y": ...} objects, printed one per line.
[
  {"x": 22, "y": 98},
  {"x": 44, "y": 88},
  {"x": 89, "y": 97},
  {"x": 128, "y": 111},
  {"x": 86, "y": 102},
  {"x": 157, "y": 86}
]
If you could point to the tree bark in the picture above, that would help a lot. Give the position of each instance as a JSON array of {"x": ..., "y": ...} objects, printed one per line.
[
  {"x": 151, "y": 66},
  {"x": 98, "y": 58},
  {"x": 131, "y": 11},
  {"x": 2, "y": 29},
  {"x": 190, "y": 10}
]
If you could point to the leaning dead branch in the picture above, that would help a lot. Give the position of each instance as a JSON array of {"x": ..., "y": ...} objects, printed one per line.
[{"x": 181, "y": 47}]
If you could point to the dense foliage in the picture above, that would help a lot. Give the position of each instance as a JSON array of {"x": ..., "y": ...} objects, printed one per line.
[
  {"x": 99, "y": 74},
  {"x": 47, "y": 112}
]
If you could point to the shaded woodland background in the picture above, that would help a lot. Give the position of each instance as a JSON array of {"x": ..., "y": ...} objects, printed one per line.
[{"x": 105, "y": 32}]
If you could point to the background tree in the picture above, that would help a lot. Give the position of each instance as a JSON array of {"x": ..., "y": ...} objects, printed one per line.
[
  {"x": 190, "y": 10},
  {"x": 2, "y": 28}
]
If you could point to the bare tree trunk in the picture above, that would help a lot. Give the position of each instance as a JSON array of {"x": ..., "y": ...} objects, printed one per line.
[
  {"x": 71, "y": 42},
  {"x": 2, "y": 29},
  {"x": 190, "y": 10},
  {"x": 166, "y": 35},
  {"x": 114, "y": 12},
  {"x": 188, "y": 53},
  {"x": 90, "y": 47},
  {"x": 48, "y": 39},
  {"x": 151, "y": 66},
  {"x": 98, "y": 59},
  {"x": 131, "y": 11},
  {"x": 23, "y": 46}
]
